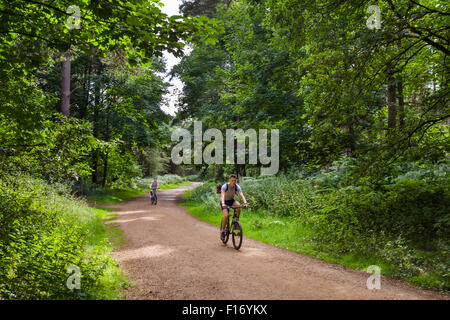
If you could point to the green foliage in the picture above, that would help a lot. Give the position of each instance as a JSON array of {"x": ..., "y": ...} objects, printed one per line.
[
  {"x": 53, "y": 148},
  {"x": 193, "y": 177},
  {"x": 139, "y": 28},
  {"x": 43, "y": 231},
  {"x": 155, "y": 161},
  {"x": 122, "y": 167},
  {"x": 242, "y": 75},
  {"x": 115, "y": 90},
  {"x": 170, "y": 179},
  {"x": 315, "y": 71},
  {"x": 113, "y": 196},
  {"x": 199, "y": 7}
]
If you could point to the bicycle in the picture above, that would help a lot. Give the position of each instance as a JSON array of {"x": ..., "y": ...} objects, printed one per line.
[
  {"x": 236, "y": 228},
  {"x": 153, "y": 197}
]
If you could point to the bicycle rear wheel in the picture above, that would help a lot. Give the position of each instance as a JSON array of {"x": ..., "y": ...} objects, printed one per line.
[{"x": 236, "y": 233}]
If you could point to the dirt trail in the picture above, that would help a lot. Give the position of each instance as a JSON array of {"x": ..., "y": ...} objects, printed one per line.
[{"x": 170, "y": 254}]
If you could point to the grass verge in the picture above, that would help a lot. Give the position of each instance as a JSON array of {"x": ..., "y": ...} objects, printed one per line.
[
  {"x": 103, "y": 238},
  {"x": 175, "y": 185},
  {"x": 114, "y": 196}
]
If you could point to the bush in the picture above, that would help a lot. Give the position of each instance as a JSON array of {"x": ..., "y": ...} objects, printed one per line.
[
  {"x": 43, "y": 231},
  {"x": 193, "y": 178},
  {"x": 170, "y": 179},
  {"x": 419, "y": 209},
  {"x": 406, "y": 224},
  {"x": 206, "y": 194}
]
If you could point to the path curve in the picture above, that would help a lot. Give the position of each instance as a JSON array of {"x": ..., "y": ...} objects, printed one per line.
[{"x": 169, "y": 254}]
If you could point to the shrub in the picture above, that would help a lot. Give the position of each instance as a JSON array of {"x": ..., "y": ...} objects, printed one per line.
[
  {"x": 193, "y": 178},
  {"x": 43, "y": 230}
]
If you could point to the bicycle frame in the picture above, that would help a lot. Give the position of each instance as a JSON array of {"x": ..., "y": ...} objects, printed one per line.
[
  {"x": 152, "y": 193},
  {"x": 235, "y": 217},
  {"x": 153, "y": 196}
]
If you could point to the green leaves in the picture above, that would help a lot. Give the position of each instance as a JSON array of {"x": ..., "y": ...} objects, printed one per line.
[
  {"x": 133, "y": 20},
  {"x": 107, "y": 25},
  {"x": 43, "y": 230}
]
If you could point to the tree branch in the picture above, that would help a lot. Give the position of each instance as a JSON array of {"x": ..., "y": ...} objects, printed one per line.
[
  {"x": 418, "y": 32},
  {"x": 430, "y": 10},
  {"x": 30, "y": 35},
  {"x": 75, "y": 89}
]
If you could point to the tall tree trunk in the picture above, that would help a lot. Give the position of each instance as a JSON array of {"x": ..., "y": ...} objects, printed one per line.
[
  {"x": 95, "y": 167},
  {"x": 95, "y": 124},
  {"x": 95, "y": 134},
  {"x": 348, "y": 147},
  {"x": 105, "y": 170},
  {"x": 65, "y": 85},
  {"x": 87, "y": 90},
  {"x": 391, "y": 98},
  {"x": 401, "y": 101}
]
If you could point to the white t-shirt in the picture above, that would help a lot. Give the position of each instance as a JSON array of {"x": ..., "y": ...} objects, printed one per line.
[{"x": 229, "y": 194}]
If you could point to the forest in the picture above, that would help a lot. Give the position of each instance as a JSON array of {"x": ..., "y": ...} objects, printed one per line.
[{"x": 360, "y": 99}]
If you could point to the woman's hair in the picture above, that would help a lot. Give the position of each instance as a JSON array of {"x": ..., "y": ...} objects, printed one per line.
[{"x": 232, "y": 176}]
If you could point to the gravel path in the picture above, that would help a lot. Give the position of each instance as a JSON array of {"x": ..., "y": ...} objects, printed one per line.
[{"x": 169, "y": 254}]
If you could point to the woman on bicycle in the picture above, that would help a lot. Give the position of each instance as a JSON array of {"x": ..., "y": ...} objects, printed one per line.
[
  {"x": 154, "y": 186},
  {"x": 227, "y": 200}
]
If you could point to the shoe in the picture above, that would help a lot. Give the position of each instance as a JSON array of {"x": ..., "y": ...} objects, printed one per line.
[{"x": 222, "y": 235}]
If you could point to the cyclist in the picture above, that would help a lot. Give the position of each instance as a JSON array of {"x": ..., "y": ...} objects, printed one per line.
[
  {"x": 227, "y": 199},
  {"x": 154, "y": 186}
]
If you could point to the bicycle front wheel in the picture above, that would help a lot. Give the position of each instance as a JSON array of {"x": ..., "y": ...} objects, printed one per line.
[
  {"x": 227, "y": 233},
  {"x": 236, "y": 233}
]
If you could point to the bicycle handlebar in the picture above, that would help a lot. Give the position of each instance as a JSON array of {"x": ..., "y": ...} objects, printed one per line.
[{"x": 235, "y": 207}]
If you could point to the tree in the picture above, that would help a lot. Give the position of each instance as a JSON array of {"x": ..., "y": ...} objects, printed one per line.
[
  {"x": 244, "y": 81},
  {"x": 139, "y": 28},
  {"x": 199, "y": 7},
  {"x": 350, "y": 73}
]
